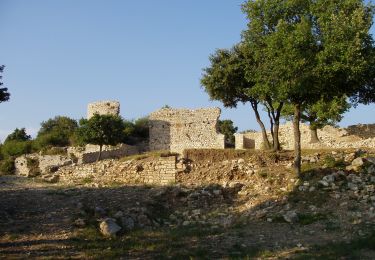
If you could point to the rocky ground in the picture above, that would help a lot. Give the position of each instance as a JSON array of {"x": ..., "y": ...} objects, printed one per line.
[{"x": 252, "y": 207}]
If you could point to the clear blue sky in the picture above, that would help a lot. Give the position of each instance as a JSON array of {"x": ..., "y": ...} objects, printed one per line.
[{"x": 61, "y": 55}]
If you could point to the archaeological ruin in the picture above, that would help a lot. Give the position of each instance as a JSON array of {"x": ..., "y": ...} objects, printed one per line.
[
  {"x": 103, "y": 108},
  {"x": 357, "y": 136},
  {"x": 178, "y": 129}
]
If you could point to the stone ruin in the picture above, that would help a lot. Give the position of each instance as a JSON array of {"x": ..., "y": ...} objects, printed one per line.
[
  {"x": 175, "y": 130},
  {"x": 358, "y": 136},
  {"x": 103, "y": 108}
]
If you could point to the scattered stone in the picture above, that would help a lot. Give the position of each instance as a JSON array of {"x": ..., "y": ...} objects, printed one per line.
[
  {"x": 291, "y": 217},
  {"x": 109, "y": 227},
  {"x": 118, "y": 214},
  {"x": 127, "y": 223},
  {"x": 358, "y": 162}
]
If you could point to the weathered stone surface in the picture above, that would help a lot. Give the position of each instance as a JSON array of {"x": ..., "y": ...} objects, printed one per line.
[
  {"x": 330, "y": 137},
  {"x": 178, "y": 129},
  {"x": 43, "y": 164},
  {"x": 160, "y": 170},
  {"x": 109, "y": 227},
  {"x": 103, "y": 108},
  {"x": 291, "y": 217}
]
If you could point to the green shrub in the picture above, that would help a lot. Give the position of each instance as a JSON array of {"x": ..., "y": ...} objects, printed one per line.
[
  {"x": 331, "y": 162},
  {"x": 16, "y": 148},
  {"x": 33, "y": 165},
  {"x": 7, "y": 166}
]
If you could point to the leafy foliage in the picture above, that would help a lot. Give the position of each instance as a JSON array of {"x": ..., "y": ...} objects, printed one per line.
[
  {"x": 307, "y": 51},
  {"x": 101, "y": 130},
  {"x": 16, "y": 148},
  {"x": 18, "y": 135},
  {"x": 7, "y": 166},
  {"x": 4, "y": 94},
  {"x": 56, "y": 131},
  {"x": 227, "y": 128},
  {"x": 136, "y": 131}
]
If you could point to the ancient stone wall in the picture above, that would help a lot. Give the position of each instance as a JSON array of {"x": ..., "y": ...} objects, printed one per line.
[
  {"x": 89, "y": 153},
  {"x": 150, "y": 171},
  {"x": 330, "y": 137},
  {"x": 178, "y": 129},
  {"x": 103, "y": 108},
  {"x": 32, "y": 164}
]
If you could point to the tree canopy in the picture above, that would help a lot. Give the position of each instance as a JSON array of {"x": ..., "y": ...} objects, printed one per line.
[
  {"x": 4, "y": 94},
  {"x": 56, "y": 131},
  {"x": 227, "y": 128},
  {"x": 102, "y": 130},
  {"x": 18, "y": 135},
  {"x": 306, "y": 51}
]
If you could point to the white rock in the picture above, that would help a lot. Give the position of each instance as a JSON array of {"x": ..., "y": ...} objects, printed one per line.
[{"x": 358, "y": 162}]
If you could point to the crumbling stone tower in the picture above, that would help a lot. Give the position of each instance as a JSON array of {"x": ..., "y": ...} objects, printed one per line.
[{"x": 103, "y": 108}]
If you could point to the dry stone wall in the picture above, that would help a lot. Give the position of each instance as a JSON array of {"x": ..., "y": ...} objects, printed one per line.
[
  {"x": 33, "y": 164},
  {"x": 103, "y": 108},
  {"x": 160, "y": 171},
  {"x": 330, "y": 137},
  {"x": 89, "y": 153},
  {"x": 178, "y": 129}
]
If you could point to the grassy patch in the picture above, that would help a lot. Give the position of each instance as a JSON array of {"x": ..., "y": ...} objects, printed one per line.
[
  {"x": 342, "y": 250},
  {"x": 180, "y": 243},
  {"x": 307, "y": 219}
]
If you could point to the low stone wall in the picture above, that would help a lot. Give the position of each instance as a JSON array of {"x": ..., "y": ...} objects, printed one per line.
[
  {"x": 160, "y": 171},
  {"x": 33, "y": 164},
  {"x": 330, "y": 137},
  {"x": 89, "y": 154}
]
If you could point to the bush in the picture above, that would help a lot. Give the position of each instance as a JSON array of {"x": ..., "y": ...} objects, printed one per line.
[
  {"x": 16, "y": 148},
  {"x": 52, "y": 139},
  {"x": 7, "y": 166},
  {"x": 57, "y": 131}
]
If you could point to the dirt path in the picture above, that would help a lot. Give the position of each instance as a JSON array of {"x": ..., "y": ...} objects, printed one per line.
[{"x": 36, "y": 218}]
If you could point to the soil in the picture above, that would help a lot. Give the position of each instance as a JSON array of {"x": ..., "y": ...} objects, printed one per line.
[{"x": 240, "y": 215}]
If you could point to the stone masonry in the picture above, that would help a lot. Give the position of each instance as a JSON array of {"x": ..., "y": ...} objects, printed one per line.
[
  {"x": 103, "y": 108},
  {"x": 178, "y": 129},
  {"x": 160, "y": 171},
  {"x": 360, "y": 136},
  {"x": 33, "y": 164}
]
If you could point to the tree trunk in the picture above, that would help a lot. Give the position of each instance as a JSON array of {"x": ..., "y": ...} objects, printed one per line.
[
  {"x": 266, "y": 142},
  {"x": 314, "y": 135},
  {"x": 276, "y": 142},
  {"x": 100, "y": 153},
  {"x": 271, "y": 126},
  {"x": 297, "y": 139}
]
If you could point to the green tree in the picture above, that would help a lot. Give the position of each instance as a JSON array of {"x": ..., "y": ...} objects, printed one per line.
[
  {"x": 227, "y": 128},
  {"x": 320, "y": 114},
  {"x": 56, "y": 131},
  {"x": 309, "y": 50},
  {"x": 4, "y": 94},
  {"x": 18, "y": 135},
  {"x": 226, "y": 80},
  {"x": 102, "y": 130}
]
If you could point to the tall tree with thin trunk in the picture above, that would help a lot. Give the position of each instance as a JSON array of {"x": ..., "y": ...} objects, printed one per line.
[
  {"x": 309, "y": 50},
  {"x": 225, "y": 80}
]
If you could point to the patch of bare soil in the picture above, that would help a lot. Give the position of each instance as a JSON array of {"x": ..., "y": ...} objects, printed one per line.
[{"x": 250, "y": 207}]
